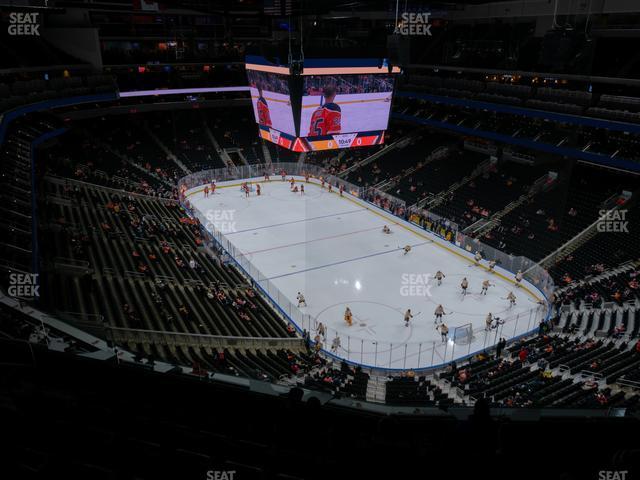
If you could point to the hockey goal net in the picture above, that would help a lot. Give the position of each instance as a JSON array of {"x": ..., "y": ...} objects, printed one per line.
[{"x": 463, "y": 335}]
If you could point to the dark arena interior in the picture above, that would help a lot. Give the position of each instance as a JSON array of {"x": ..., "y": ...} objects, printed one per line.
[{"x": 256, "y": 239}]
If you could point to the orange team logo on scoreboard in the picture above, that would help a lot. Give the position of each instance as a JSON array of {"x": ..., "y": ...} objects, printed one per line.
[
  {"x": 275, "y": 136},
  {"x": 284, "y": 142}
]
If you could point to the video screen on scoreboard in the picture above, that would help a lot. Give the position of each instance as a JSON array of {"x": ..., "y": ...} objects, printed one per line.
[
  {"x": 271, "y": 100},
  {"x": 344, "y": 104}
]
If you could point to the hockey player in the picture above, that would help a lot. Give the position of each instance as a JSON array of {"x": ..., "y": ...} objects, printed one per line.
[
  {"x": 407, "y": 317},
  {"x": 348, "y": 316},
  {"x": 444, "y": 331},
  {"x": 335, "y": 344},
  {"x": 295, "y": 189},
  {"x": 439, "y": 313},
  {"x": 206, "y": 191},
  {"x": 386, "y": 230},
  {"x": 477, "y": 258},
  {"x": 407, "y": 249},
  {"x": 266, "y": 176},
  {"x": 301, "y": 300},
  {"x": 512, "y": 299},
  {"x": 321, "y": 182},
  {"x": 322, "y": 331},
  {"x": 306, "y": 177},
  {"x": 492, "y": 265},
  {"x": 264, "y": 117},
  {"x": 485, "y": 287},
  {"x": 329, "y": 187},
  {"x": 258, "y": 189},
  {"x": 292, "y": 182},
  {"x": 301, "y": 189},
  {"x": 439, "y": 276},
  {"x": 464, "y": 285},
  {"x": 341, "y": 189},
  {"x": 246, "y": 189},
  {"x": 326, "y": 119},
  {"x": 488, "y": 322},
  {"x": 518, "y": 278}
]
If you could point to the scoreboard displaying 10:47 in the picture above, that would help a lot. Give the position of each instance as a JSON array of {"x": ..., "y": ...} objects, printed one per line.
[{"x": 334, "y": 103}]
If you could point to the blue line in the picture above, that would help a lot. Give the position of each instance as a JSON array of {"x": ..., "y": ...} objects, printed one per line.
[
  {"x": 343, "y": 261},
  {"x": 297, "y": 221}
]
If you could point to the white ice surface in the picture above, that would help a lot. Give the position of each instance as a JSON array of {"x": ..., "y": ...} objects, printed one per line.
[{"x": 332, "y": 249}]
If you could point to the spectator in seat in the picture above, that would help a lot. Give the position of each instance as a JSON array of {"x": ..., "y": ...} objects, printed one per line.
[
  {"x": 184, "y": 311},
  {"x": 523, "y": 354},
  {"x": 221, "y": 360},
  {"x": 601, "y": 398},
  {"x": 619, "y": 331},
  {"x": 543, "y": 328}
]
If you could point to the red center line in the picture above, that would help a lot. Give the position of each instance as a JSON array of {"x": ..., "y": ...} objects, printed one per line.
[{"x": 311, "y": 241}]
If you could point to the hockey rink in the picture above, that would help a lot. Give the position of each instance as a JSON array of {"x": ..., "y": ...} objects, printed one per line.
[{"x": 333, "y": 250}]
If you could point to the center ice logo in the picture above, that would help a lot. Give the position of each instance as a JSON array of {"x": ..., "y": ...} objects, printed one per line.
[
  {"x": 221, "y": 220},
  {"x": 416, "y": 285}
]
